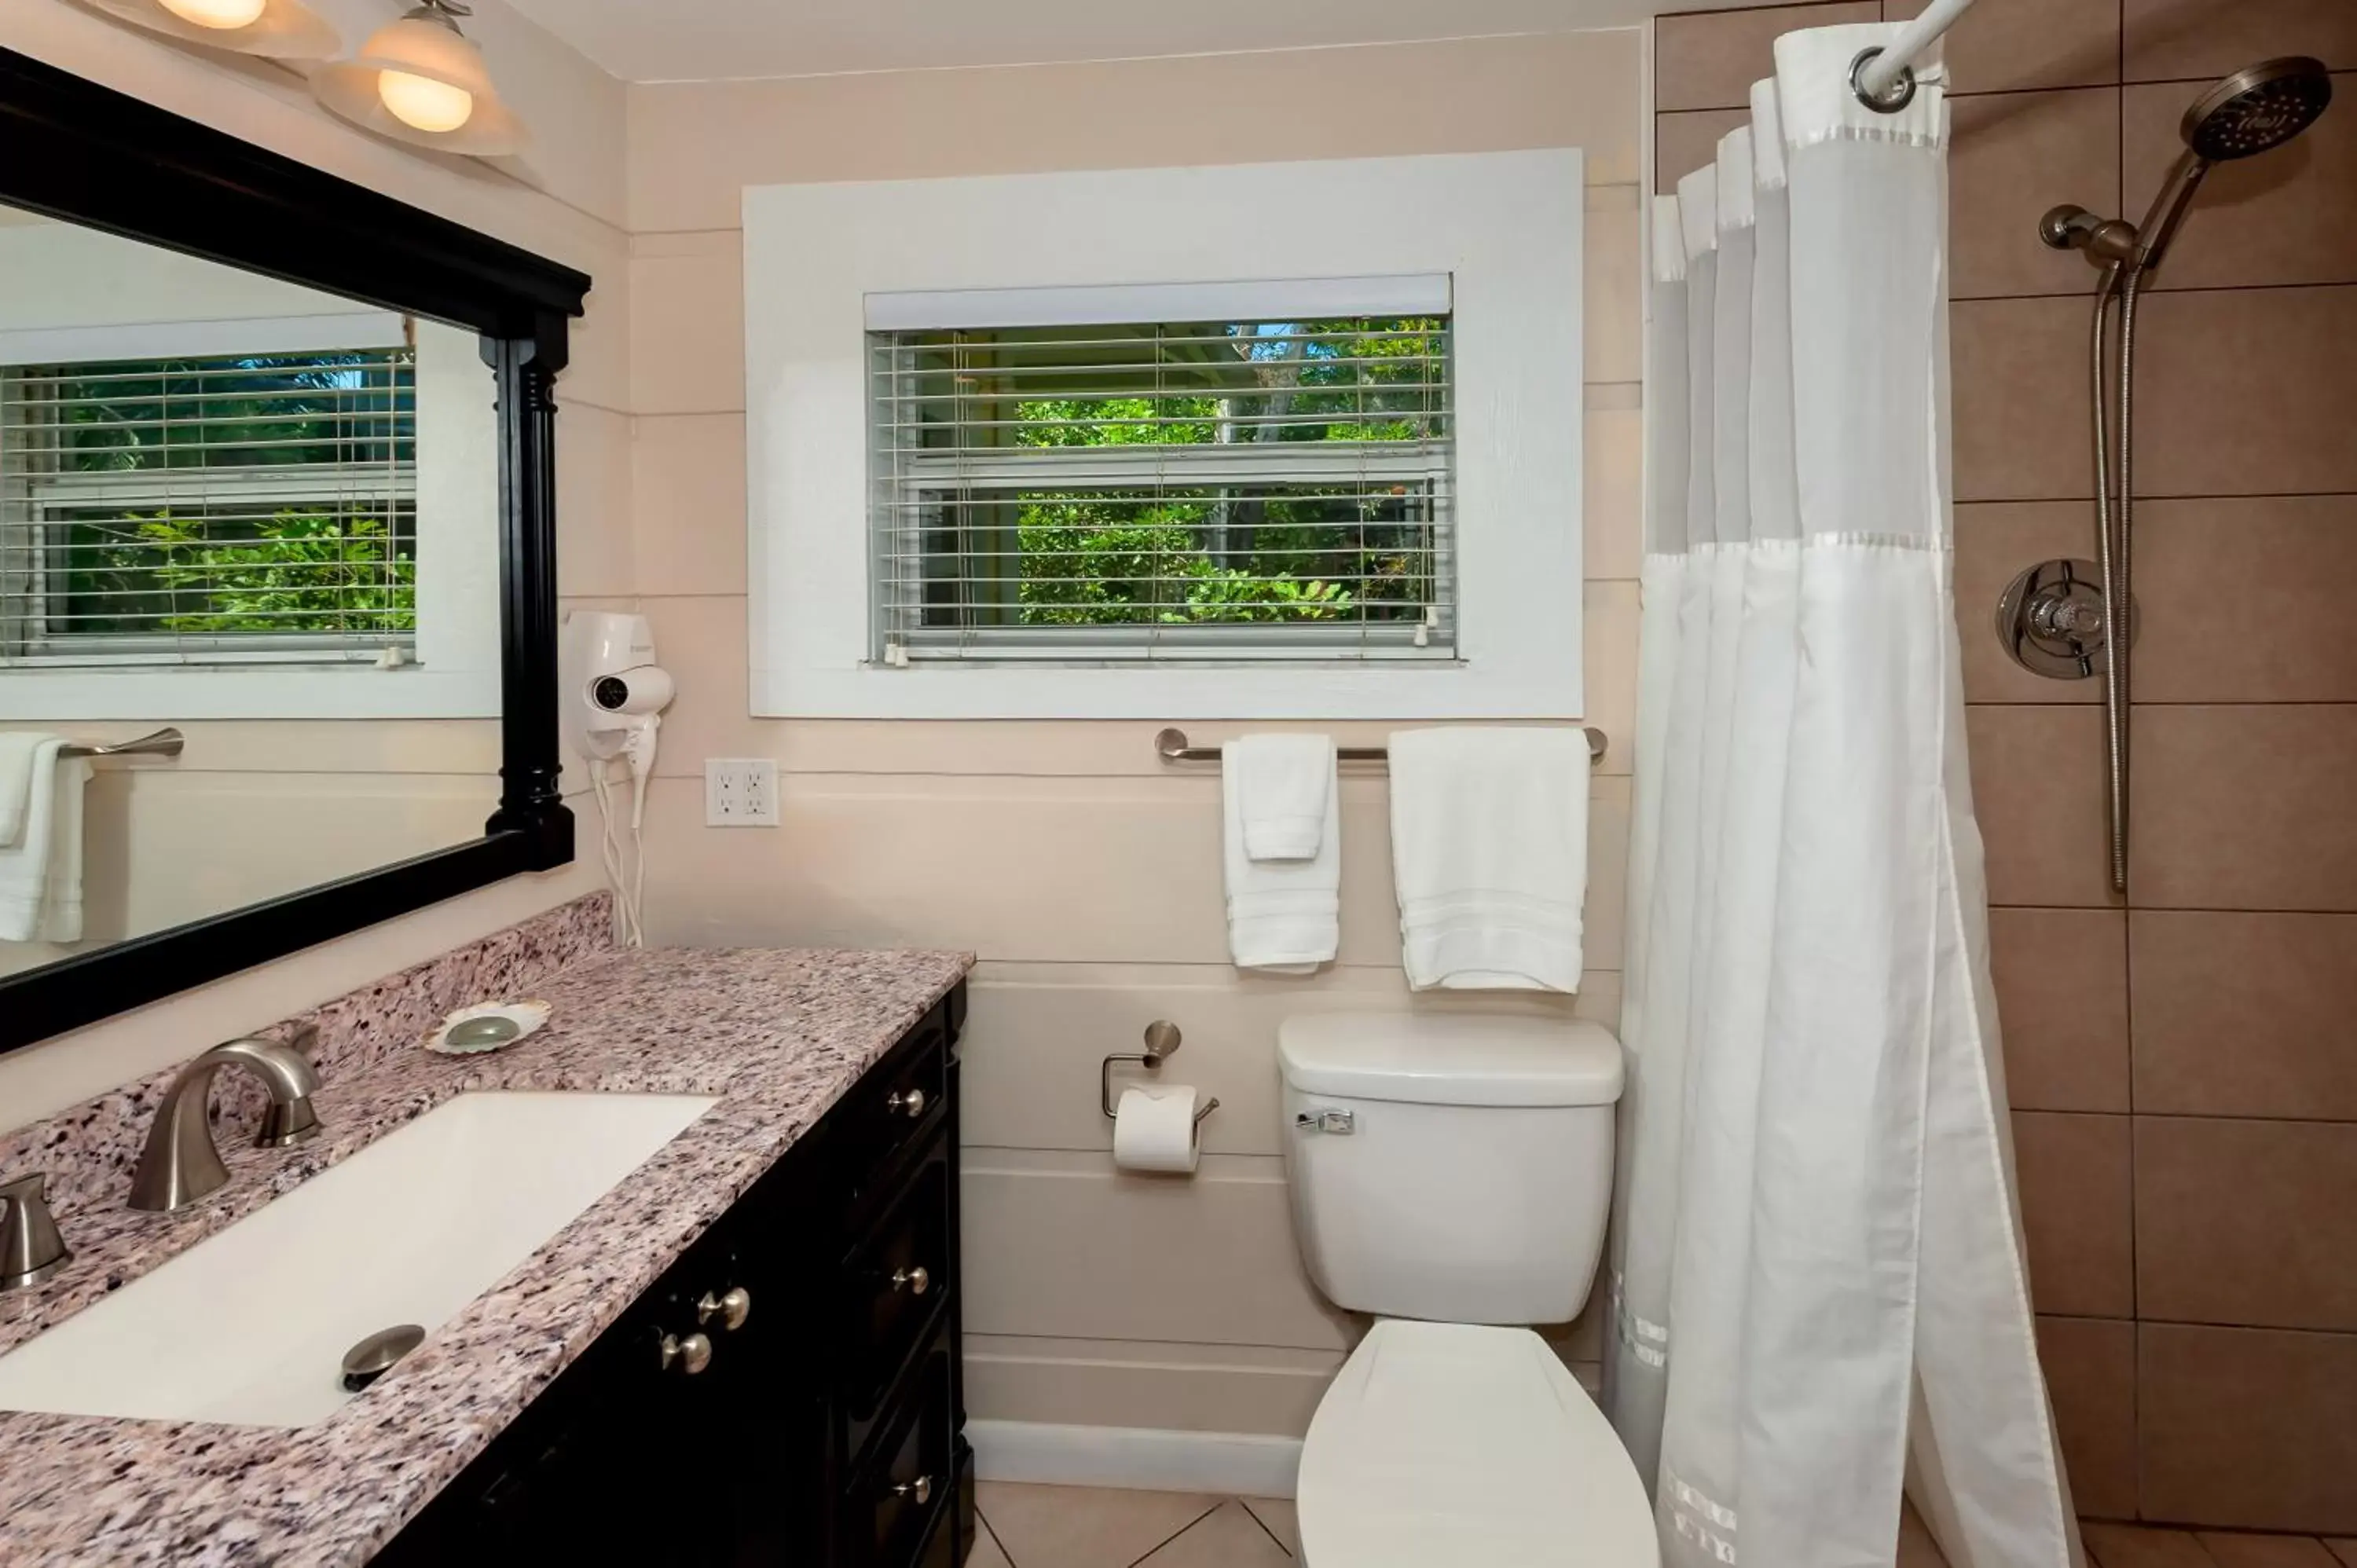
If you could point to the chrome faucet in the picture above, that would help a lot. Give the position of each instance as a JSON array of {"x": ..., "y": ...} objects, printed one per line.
[
  {"x": 30, "y": 1248},
  {"x": 180, "y": 1163}
]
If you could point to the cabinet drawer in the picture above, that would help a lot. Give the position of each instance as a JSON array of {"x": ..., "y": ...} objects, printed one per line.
[
  {"x": 903, "y": 1101},
  {"x": 895, "y": 1285},
  {"x": 890, "y": 1507}
]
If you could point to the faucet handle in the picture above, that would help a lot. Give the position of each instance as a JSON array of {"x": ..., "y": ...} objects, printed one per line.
[{"x": 30, "y": 1248}]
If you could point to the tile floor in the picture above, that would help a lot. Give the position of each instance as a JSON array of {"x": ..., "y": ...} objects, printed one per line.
[
  {"x": 1089, "y": 1527},
  {"x": 2133, "y": 1546}
]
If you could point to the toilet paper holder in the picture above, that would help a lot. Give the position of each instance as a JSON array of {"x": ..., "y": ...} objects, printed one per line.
[{"x": 1161, "y": 1043}]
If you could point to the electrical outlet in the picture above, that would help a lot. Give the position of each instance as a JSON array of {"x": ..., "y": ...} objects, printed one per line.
[{"x": 740, "y": 792}]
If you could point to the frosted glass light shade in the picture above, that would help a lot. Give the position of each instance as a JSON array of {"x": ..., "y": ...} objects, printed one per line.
[
  {"x": 422, "y": 103},
  {"x": 433, "y": 55},
  {"x": 217, "y": 14},
  {"x": 277, "y": 29}
]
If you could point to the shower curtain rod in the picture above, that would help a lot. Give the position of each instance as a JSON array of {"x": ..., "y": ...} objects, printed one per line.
[{"x": 1880, "y": 83}]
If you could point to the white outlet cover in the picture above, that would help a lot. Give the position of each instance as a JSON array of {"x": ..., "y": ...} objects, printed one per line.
[{"x": 740, "y": 792}]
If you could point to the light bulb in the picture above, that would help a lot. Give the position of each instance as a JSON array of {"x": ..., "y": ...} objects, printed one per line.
[
  {"x": 221, "y": 14},
  {"x": 422, "y": 102}
]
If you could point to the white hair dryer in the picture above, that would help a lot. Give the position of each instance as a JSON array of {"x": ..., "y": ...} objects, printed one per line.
[{"x": 615, "y": 695}]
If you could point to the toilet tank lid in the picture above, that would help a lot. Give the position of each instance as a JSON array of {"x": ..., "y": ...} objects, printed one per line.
[{"x": 1450, "y": 1058}]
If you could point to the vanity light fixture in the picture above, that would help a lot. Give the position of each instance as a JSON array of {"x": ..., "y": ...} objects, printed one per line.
[
  {"x": 277, "y": 30},
  {"x": 419, "y": 80}
]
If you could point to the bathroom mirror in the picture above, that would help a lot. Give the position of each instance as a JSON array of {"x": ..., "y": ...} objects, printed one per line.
[
  {"x": 277, "y": 648},
  {"x": 260, "y": 518}
]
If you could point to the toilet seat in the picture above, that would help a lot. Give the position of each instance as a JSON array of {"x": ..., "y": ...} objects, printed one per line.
[{"x": 1447, "y": 1444}]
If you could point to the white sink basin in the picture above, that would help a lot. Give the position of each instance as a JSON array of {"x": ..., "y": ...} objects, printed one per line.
[{"x": 252, "y": 1324}]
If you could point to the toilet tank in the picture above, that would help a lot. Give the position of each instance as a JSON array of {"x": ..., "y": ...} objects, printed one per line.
[{"x": 1451, "y": 1167}]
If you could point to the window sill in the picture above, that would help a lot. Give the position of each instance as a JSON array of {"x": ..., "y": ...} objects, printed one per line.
[
  {"x": 1331, "y": 690},
  {"x": 261, "y": 691}
]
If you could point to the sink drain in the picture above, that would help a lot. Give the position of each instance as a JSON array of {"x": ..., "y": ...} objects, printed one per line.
[{"x": 374, "y": 1357}]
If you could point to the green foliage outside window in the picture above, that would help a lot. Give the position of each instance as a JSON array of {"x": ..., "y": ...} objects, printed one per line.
[
  {"x": 295, "y": 469},
  {"x": 1286, "y": 551},
  {"x": 309, "y": 572}
]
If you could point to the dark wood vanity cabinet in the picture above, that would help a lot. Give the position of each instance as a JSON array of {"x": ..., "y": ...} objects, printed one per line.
[{"x": 823, "y": 1429}]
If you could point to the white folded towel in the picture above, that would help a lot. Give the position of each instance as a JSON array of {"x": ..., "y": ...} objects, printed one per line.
[
  {"x": 40, "y": 873},
  {"x": 1284, "y": 789},
  {"x": 1284, "y": 916},
  {"x": 1490, "y": 853},
  {"x": 16, "y": 748}
]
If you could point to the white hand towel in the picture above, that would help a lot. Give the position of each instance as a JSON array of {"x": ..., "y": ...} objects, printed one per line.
[
  {"x": 41, "y": 875},
  {"x": 61, "y": 891},
  {"x": 1284, "y": 916},
  {"x": 1285, "y": 785},
  {"x": 16, "y": 748},
  {"x": 1489, "y": 851}
]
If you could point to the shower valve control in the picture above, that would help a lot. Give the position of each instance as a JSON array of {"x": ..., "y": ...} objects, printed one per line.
[
  {"x": 1342, "y": 1122},
  {"x": 2056, "y": 615},
  {"x": 2052, "y": 620}
]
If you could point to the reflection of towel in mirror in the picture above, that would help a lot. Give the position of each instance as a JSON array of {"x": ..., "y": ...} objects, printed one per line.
[
  {"x": 16, "y": 749},
  {"x": 40, "y": 869}
]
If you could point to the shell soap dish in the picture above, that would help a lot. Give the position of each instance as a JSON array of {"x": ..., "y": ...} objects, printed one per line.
[{"x": 485, "y": 1026}]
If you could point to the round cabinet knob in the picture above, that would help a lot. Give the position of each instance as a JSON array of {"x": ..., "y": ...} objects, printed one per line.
[
  {"x": 688, "y": 1354},
  {"x": 916, "y": 1282},
  {"x": 921, "y": 1488},
  {"x": 731, "y": 1307},
  {"x": 911, "y": 1105}
]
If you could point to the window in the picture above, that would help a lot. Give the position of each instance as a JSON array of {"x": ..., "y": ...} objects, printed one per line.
[
  {"x": 223, "y": 509},
  {"x": 1260, "y": 441},
  {"x": 1230, "y": 490}
]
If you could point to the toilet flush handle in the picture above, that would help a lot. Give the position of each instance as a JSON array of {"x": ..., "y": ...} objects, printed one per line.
[{"x": 1341, "y": 1121}]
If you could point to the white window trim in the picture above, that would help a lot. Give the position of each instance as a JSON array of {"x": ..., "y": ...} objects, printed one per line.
[
  {"x": 1505, "y": 226},
  {"x": 456, "y": 674},
  {"x": 203, "y": 339}
]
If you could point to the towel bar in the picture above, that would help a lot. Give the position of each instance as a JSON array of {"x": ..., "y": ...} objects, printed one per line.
[
  {"x": 163, "y": 742},
  {"x": 1172, "y": 746}
]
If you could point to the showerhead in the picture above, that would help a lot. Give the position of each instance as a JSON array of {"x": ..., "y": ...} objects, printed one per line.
[
  {"x": 2255, "y": 111},
  {"x": 2258, "y": 110}
]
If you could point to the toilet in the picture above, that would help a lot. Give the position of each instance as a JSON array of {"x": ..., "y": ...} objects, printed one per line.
[{"x": 1453, "y": 1176}]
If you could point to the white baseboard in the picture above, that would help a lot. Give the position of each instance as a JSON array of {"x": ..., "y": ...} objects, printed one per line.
[{"x": 1143, "y": 1458}]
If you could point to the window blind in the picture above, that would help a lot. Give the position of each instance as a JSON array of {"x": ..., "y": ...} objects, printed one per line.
[
  {"x": 1083, "y": 304},
  {"x": 1214, "y": 490},
  {"x": 222, "y": 509}
]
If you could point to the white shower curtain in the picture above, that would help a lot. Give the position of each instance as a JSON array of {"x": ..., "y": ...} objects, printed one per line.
[
  {"x": 1674, "y": 656},
  {"x": 1817, "y": 1259}
]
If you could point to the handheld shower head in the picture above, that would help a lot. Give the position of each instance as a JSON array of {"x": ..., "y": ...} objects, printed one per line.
[
  {"x": 2252, "y": 111},
  {"x": 2255, "y": 111},
  {"x": 2258, "y": 108}
]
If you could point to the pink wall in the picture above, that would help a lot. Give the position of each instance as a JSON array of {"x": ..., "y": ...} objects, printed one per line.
[{"x": 1082, "y": 869}]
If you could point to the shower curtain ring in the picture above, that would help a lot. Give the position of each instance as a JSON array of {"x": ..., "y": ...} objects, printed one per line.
[{"x": 1902, "y": 86}]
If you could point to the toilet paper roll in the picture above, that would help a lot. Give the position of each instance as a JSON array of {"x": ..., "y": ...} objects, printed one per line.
[{"x": 1154, "y": 1129}]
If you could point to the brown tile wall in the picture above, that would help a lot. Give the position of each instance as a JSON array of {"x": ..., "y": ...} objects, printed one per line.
[{"x": 2182, "y": 1062}]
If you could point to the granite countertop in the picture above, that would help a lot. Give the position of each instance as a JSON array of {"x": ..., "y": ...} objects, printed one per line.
[{"x": 778, "y": 1035}]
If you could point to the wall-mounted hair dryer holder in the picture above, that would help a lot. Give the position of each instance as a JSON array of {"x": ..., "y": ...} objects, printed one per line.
[{"x": 616, "y": 690}]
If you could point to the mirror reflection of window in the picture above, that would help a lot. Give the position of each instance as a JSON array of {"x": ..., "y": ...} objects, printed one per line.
[
  {"x": 257, "y": 504},
  {"x": 263, "y": 516}
]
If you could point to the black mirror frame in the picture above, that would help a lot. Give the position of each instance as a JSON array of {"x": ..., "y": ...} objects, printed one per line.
[{"x": 74, "y": 150}]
